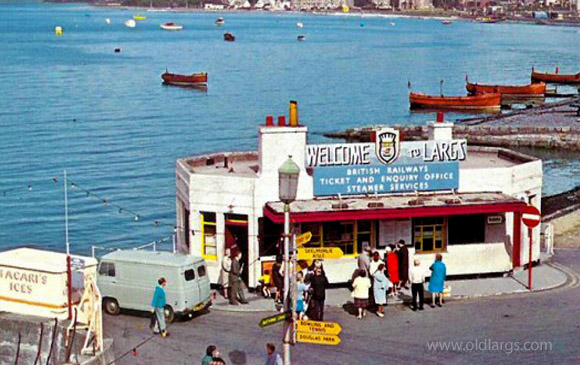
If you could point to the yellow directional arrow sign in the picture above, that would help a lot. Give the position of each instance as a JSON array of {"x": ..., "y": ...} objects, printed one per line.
[
  {"x": 318, "y": 327},
  {"x": 319, "y": 253},
  {"x": 303, "y": 238},
  {"x": 317, "y": 339}
]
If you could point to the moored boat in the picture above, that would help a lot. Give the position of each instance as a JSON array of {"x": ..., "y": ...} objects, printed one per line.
[
  {"x": 556, "y": 77},
  {"x": 301, "y": 37},
  {"x": 130, "y": 23},
  {"x": 171, "y": 26},
  {"x": 473, "y": 102},
  {"x": 139, "y": 17},
  {"x": 196, "y": 79},
  {"x": 537, "y": 88},
  {"x": 488, "y": 20},
  {"x": 446, "y": 22},
  {"x": 229, "y": 37},
  {"x": 220, "y": 21}
]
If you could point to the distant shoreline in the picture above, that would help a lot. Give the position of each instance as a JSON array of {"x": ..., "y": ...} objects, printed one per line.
[{"x": 434, "y": 14}]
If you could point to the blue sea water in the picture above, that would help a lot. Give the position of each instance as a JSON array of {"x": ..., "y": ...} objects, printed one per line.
[{"x": 71, "y": 103}]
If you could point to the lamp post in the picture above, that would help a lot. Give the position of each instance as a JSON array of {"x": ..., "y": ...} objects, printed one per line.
[{"x": 287, "y": 187}]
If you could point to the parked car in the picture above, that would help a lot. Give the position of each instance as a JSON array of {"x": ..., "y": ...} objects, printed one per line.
[{"x": 127, "y": 279}]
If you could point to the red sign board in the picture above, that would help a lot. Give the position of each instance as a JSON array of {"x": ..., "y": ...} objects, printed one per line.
[{"x": 531, "y": 216}]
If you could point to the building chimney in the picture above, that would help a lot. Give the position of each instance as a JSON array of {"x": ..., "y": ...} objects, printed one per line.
[
  {"x": 269, "y": 120},
  {"x": 293, "y": 113},
  {"x": 440, "y": 130},
  {"x": 281, "y": 121}
]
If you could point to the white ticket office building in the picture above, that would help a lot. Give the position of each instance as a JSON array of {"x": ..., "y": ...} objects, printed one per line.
[{"x": 438, "y": 195}]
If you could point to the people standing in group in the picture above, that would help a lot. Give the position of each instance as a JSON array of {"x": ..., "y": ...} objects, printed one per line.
[
  {"x": 226, "y": 266},
  {"x": 417, "y": 277},
  {"x": 380, "y": 286},
  {"x": 375, "y": 263},
  {"x": 235, "y": 281},
  {"x": 392, "y": 261},
  {"x": 158, "y": 303},
  {"x": 278, "y": 276},
  {"x": 361, "y": 286},
  {"x": 403, "y": 254},
  {"x": 318, "y": 285},
  {"x": 437, "y": 280},
  {"x": 364, "y": 260},
  {"x": 273, "y": 357}
]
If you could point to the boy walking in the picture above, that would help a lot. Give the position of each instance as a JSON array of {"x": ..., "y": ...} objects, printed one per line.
[{"x": 158, "y": 303}]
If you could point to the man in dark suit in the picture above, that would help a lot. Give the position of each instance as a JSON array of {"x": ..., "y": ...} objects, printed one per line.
[{"x": 235, "y": 280}]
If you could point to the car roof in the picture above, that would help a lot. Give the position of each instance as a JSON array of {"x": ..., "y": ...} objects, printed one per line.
[{"x": 160, "y": 258}]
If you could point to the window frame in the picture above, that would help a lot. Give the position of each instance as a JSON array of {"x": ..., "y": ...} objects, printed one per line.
[
  {"x": 434, "y": 226},
  {"x": 204, "y": 244}
]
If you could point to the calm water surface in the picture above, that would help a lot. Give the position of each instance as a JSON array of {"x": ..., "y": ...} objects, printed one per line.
[{"x": 71, "y": 102}]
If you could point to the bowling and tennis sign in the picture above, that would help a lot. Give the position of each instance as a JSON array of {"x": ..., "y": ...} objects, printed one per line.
[{"x": 386, "y": 165}]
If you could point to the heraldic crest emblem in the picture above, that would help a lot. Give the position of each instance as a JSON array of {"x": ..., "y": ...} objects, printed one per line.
[{"x": 387, "y": 145}]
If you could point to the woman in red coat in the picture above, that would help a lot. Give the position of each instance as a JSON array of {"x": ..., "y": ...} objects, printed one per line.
[{"x": 393, "y": 268}]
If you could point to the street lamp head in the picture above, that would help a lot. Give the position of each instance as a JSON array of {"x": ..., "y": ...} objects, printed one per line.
[{"x": 288, "y": 180}]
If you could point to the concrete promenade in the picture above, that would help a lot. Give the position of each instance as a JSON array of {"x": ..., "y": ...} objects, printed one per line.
[{"x": 544, "y": 277}]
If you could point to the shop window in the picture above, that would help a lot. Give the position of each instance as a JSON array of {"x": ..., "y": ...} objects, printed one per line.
[
  {"x": 189, "y": 275},
  {"x": 208, "y": 236},
  {"x": 269, "y": 237},
  {"x": 365, "y": 233},
  {"x": 107, "y": 269},
  {"x": 465, "y": 229},
  {"x": 429, "y": 234},
  {"x": 315, "y": 229},
  {"x": 340, "y": 234}
]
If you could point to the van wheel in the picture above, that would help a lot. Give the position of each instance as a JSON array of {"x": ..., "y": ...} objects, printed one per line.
[
  {"x": 111, "y": 306},
  {"x": 169, "y": 314}
]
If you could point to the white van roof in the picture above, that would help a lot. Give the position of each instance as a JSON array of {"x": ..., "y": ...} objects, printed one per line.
[
  {"x": 161, "y": 258},
  {"x": 41, "y": 260}
]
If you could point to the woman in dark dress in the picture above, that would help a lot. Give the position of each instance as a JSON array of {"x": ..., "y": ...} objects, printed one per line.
[{"x": 403, "y": 253}]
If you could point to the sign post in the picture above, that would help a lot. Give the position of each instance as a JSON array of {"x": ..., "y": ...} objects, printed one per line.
[
  {"x": 318, "y": 332},
  {"x": 531, "y": 218},
  {"x": 319, "y": 253},
  {"x": 303, "y": 238}
]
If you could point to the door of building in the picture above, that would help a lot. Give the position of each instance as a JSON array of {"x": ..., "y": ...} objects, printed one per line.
[{"x": 236, "y": 234}]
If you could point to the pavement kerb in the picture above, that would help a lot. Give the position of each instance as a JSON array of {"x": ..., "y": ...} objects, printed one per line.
[{"x": 569, "y": 277}]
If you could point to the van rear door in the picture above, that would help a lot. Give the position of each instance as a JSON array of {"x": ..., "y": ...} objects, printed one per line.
[
  {"x": 203, "y": 281},
  {"x": 190, "y": 286}
]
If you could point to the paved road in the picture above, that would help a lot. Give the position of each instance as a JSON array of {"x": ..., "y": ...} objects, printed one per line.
[{"x": 402, "y": 337}]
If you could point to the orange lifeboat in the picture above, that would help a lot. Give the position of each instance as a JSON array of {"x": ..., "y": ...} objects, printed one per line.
[
  {"x": 471, "y": 102},
  {"x": 538, "y": 88},
  {"x": 556, "y": 77},
  {"x": 196, "y": 79}
]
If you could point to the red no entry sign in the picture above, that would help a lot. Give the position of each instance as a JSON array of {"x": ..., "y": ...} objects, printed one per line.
[{"x": 531, "y": 216}]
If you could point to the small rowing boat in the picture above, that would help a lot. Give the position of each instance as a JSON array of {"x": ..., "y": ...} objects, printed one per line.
[
  {"x": 471, "y": 102},
  {"x": 139, "y": 17},
  {"x": 196, "y": 79},
  {"x": 229, "y": 37},
  {"x": 556, "y": 77},
  {"x": 446, "y": 22},
  {"x": 537, "y": 88},
  {"x": 130, "y": 23},
  {"x": 220, "y": 21},
  {"x": 171, "y": 26}
]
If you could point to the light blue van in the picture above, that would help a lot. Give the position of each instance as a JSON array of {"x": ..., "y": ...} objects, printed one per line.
[{"x": 127, "y": 279}]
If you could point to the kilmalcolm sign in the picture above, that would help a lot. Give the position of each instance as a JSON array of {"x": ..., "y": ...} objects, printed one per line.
[{"x": 386, "y": 165}]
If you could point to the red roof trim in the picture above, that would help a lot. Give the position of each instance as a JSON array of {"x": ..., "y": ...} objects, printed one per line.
[{"x": 395, "y": 213}]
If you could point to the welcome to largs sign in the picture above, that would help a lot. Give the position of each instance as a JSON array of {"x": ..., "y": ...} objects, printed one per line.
[{"x": 385, "y": 166}]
